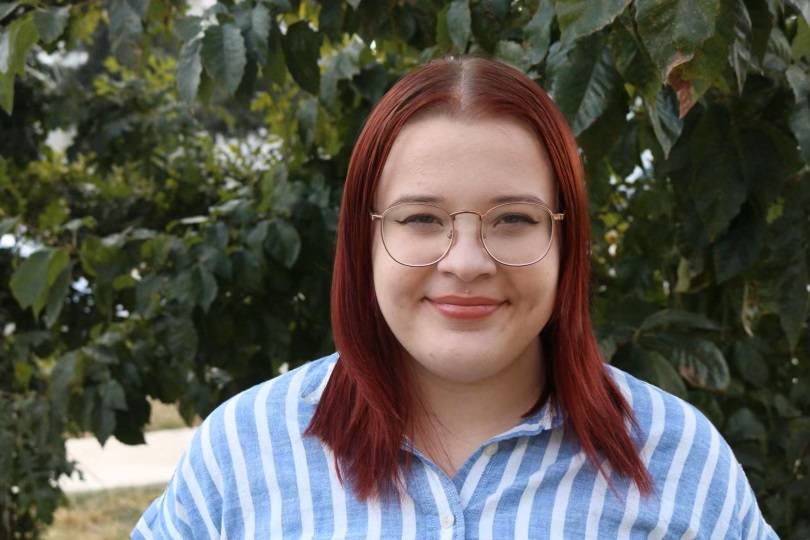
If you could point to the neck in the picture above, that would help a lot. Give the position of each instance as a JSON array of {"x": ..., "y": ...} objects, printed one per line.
[{"x": 455, "y": 418}]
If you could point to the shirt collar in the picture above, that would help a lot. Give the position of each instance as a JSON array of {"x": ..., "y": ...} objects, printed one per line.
[
  {"x": 312, "y": 389},
  {"x": 549, "y": 416}
]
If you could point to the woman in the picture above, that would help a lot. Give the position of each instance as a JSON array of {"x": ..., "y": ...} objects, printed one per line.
[{"x": 467, "y": 398}]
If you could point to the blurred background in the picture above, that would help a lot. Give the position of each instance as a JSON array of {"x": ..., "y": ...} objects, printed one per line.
[{"x": 170, "y": 173}]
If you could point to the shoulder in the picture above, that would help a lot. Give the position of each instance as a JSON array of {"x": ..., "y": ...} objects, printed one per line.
[
  {"x": 302, "y": 385},
  {"x": 275, "y": 410},
  {"x": 245, "y": 434},
  {"x": 692, "y": 466},
  {"x": 664, "y": 420}
]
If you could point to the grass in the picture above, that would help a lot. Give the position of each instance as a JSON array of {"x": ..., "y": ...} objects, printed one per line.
[{"x": 101, "y": 515}]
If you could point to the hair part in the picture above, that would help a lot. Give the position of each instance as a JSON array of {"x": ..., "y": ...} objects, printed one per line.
[{"x": 367, "y": 408}]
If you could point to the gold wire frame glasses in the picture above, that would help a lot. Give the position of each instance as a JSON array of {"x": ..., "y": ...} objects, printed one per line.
[{"x": 513, "y": 233}]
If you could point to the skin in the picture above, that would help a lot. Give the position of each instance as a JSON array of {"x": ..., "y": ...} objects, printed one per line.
[{"x": 475, "y": 378}]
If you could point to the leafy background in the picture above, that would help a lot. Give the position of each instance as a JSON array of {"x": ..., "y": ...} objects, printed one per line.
[{"x": 177, "y": 243}]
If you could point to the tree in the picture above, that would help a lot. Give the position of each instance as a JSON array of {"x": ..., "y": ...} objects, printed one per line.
[{"x": 180, "y": 248}]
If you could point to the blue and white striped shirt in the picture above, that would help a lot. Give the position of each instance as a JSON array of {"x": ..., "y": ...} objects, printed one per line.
[{"x": 249, "y": 473}]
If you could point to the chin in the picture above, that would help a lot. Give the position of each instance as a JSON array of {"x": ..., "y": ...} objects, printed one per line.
[{"x": 466, "y": 363}]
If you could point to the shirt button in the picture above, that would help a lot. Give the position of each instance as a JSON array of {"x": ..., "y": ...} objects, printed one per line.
[
  {"x": 491, "y": 449},
  {"x": 447, "y": 521}
]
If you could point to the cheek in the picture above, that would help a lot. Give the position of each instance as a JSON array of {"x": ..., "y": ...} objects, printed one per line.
[
  {"x": 540, "y": 287},
  {"x": 395, "y": 285}
]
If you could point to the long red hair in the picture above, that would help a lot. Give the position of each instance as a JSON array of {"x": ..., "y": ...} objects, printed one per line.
[{"x": 367, "y": 406}]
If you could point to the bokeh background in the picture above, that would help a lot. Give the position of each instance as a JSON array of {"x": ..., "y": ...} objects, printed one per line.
[{"x": 170, "y": 174}]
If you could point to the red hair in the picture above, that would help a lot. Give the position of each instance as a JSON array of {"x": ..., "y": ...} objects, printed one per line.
[{"x": 367, "y": 406}]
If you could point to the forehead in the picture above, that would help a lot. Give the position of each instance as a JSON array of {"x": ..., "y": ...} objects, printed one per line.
[{"x": 467, "y": 163}]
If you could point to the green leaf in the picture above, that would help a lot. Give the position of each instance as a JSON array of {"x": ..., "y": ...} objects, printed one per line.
[
  {"x": 792, "y": 299},
  {"x": 678, "y": 318},
  {"x": 579, "y": 18},
  {"x": 800, "y": 126},
  {"x": 206, "y": 287},
  {"x": 652, "y": 367},
  {"x": 275, "y": 67},
  {"x": 58, "y": 262},
  {"x": 804, "y": 8},
  {"x": 341, "y": 66},
  {"x": 372, "y": 82},
  {"x": 698, "y": 360},
  {"x": 6, "y": 8},
  {"x": 740, "y": 247},
  {"x": 583, "y": 86},
  {"x": 307, "y": 116},
  {"x": 112, "y": 398},
  {"x": 761, "y": 24},
  {"x": 22, "y": 373},
  {"x": 512, "y": 53},
  {"x": 788, "y": 273},
  {"x": 632, "y": 61},
  {"x": 223, "y": 55},
  {"x": 672, "y": 30},
  {"x": 15, "y": 41},
  {"x": 750, "y": 364},
  {"x": 33, "y": 278},
  {"x": 112, "y": 395},
  {"x": 785, "y": 408},
  {"x": 706, "y": 68},
  {"x": 799, "y": 82},
  {"x": 664, "y": 118},
  {"x": 301, "y": 45},
  {"x": 743, "y": 425},
  {"x": 709, "y": 172},
  {"x": 181, "y": 289},
  {"x": 8, "y": 225},
  {"x": 51, "y": 22},
  {"x": 56, "y": 296},
  {"x": 125, "y": 25},
  {"x": 187, "y": 28},
  {"x": 260, "y": 23},
  {"x": 182, "y": 338},
  {"x": 537, "y": 33},
  {"x": 330, "y": 19},
  {"x": 740, "y": 54},
  {"x": 283, "y": 242},
  {"x": 459, "y": 21},
  {"x": 189, "y": 68}
]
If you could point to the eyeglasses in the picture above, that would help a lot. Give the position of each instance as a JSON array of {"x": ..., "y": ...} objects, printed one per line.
[{"x": 514, "y": 234}]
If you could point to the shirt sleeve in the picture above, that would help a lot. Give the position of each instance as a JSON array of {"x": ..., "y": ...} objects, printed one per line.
[
  {"x": 192, "y": 502},
  {"x": 751, "y": 523},
  {"x": 732, "y": 512},
  {"x": 166, "y": 517}
]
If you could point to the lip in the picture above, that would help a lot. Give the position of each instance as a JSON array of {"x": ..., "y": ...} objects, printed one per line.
[{"x": 465, "y": 307}]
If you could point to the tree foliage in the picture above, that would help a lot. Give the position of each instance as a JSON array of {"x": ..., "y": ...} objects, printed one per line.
[{"x": 180, "y": 246}]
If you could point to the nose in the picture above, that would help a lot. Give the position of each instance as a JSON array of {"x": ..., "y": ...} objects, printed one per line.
[{"x": 467, "y": 258}]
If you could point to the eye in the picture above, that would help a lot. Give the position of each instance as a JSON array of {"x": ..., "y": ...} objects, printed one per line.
[
  {"x": 420, "y": 219},
  {"x": 515, "y": 219}
]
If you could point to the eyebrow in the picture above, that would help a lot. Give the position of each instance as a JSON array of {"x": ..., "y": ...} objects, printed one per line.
[{"x": 431, "y": 199}]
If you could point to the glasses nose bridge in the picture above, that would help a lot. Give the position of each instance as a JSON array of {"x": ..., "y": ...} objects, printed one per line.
[
  {"x": 480, "y": 217},
  {"x": 477, "y": 231}
]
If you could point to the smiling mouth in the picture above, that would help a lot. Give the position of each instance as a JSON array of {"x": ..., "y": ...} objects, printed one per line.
[{"x": 460, "y": 311}]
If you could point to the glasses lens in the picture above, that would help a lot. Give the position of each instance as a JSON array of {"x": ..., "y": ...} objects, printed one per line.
[
  {"x": 518, "y": 233},
  {"x": 416, "y": 234}
]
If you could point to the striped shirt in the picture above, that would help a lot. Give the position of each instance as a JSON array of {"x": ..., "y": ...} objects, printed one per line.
[{"x": 249, "y": 473}]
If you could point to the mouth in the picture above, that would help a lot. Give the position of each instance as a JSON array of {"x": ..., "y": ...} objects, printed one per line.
[{"x": 465, "y": 308}]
